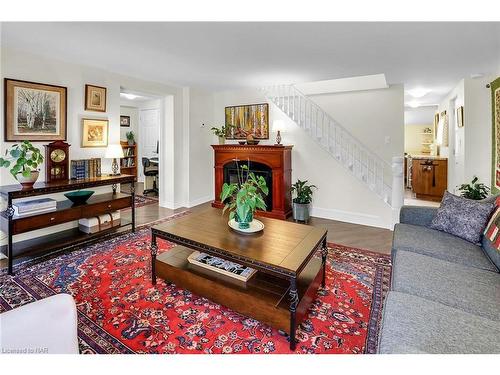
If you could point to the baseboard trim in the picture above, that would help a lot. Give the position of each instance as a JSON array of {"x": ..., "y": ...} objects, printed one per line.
[
  {"x": 201, "y": 200},
  {"x": 350, "y": 217}
]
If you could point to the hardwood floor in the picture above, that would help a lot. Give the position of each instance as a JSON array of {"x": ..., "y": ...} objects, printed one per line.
[{"x": 353, "y": 235}]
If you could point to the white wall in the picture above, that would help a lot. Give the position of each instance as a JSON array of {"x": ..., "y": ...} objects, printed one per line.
[
  {"x": 370, "y": 115},
  {"x": 133, "y": 112},
  {"x": 201, "y": 164},
  {"x": 456, "y": 165},
  {"x": 478, "y": 122},
  {"x": 474, "y": 158}
]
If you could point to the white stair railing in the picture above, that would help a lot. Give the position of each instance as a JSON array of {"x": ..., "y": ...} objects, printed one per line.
[{"x": 369, "y": 168}]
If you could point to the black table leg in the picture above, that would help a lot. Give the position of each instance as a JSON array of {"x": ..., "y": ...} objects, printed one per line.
[
  {"x": 324, "y": 254},
  {"x": 154, "y": 252},
  {"x": 132, "y": 191},
  {"x": 10, "y": 252},
  {"x": 294, "y": 301}
]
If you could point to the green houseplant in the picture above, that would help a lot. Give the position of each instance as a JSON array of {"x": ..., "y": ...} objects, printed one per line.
[
  {"x": 302, "y": 202},
  {"x": 244, "y": 197},
  {"x": 23, "y": 160},
  {"x": 130, "y": 138},
  {"x": 474, "y": 190},
  {"x": 221, "y": 132}
]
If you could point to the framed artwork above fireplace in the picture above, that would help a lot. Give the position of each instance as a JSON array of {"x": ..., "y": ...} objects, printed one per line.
[{"x": 244, "y": 120}]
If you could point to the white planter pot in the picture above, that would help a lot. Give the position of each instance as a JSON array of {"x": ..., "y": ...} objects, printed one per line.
[
  {"x": 222, "y": 140},
  {"x": 28, "y": 182}
]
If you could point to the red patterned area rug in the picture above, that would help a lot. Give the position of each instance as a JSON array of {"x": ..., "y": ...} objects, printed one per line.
[{"x": 120, "y": 311}]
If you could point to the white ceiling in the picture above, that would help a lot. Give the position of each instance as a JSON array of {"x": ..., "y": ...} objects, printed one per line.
[{"x": 234, "y": 55}]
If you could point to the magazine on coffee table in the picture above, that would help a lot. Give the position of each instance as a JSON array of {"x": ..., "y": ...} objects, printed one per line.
[{"x": 222, "y": 266}]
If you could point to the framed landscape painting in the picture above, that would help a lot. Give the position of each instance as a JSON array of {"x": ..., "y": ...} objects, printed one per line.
[
  {"x": 243, "y": 120},
  {"x": 34, "y": 111},
  {"x": 95, "y": 98},
  {"x": 95, "y": 133}
]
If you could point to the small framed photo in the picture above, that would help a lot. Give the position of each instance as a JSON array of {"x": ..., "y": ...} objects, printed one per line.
[
  {"x": 95, "y": 133},
  {"x": 95, "y": 98},
  {"x": 460, "y": 116},
  {"x": 125, "y": 121},
  {"x": 34, "y": 111}
]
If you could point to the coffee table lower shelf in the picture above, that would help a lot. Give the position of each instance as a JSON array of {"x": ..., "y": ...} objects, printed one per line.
[{"x": 264, "y": 297}]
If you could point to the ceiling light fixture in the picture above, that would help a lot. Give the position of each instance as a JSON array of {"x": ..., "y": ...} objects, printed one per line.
[
  {"x": 418, "y": 92},
  {"x": 413, "y": 104},
  {"x": 128, "y": 96}
]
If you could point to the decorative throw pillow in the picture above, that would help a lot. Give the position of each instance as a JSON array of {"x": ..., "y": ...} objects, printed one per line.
[
  {"x": 492, "y": 231},
  {"x": 462, "y": 217}
]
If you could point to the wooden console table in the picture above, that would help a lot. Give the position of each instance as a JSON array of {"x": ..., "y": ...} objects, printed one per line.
[{"x": 98, "y": 204}]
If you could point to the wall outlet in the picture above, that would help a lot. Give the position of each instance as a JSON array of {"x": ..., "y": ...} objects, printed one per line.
[{"x": 387, "y": 139}]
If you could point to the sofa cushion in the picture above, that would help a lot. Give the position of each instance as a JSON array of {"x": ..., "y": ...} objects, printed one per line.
[
  {"x": 462, "y": 217},
  {"x": 437, "y": 244},
  {"x": 466, "y": 288},
  {"x": 427, "y": 326}
]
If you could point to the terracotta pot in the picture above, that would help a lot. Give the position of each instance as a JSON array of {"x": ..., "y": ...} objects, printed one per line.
[{"x": 28, "y": 182}]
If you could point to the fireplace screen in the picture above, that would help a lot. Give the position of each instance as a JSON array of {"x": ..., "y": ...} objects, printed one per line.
[{"x": 259, "y": 169}]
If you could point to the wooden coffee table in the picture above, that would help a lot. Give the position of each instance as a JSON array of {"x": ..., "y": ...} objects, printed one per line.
[{"x": 288, "y": 276}]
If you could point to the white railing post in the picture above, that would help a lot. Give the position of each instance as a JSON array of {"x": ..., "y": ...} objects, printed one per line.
[{"x": 397, "y": 187}]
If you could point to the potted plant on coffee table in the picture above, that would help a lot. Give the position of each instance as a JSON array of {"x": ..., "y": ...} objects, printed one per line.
[
  {"x": 23, "y": 160},
  {"x": 302, "y": 202},
  {"x": 244, "y": 197},
  {"x": 221, "y": 132}
]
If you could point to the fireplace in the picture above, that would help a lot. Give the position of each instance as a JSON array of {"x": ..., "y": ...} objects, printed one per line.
[
  {"x": 274, "y": 163},
  {"x": 259, "y": 169}
]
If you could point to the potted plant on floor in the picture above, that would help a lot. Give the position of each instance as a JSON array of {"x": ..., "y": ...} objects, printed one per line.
[
  {"x": 221, "y": 132},
  {"x": 130, "y": 138},
  {"x": 302, "y": 201},
  {"x": 244, "y": 197},
  {"x": 23, "y": 160},
  {"x": 475, "y": 190}
]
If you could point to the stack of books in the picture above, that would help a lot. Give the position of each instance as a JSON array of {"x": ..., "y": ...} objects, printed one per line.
[
  {"x": 85, "y": 168},
  {"x": 33, "y": 207}
]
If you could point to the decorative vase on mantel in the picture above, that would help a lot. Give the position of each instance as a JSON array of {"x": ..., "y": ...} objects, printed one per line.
[{"x": 222, "y": 140}]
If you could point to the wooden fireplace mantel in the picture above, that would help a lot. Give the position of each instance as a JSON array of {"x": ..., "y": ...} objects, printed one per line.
[{"x": 278, "y": 158}]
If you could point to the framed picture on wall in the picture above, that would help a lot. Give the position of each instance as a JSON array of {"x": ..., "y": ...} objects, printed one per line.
[
  {"x": 95, "y": 98},
  {"x": 244, "y": 120},
  {"x": 34, "y": 111},
  {"x": 95, "y": 133},
  {"x": 460, "y": 116},
  {"x": 125, "y": 121}
]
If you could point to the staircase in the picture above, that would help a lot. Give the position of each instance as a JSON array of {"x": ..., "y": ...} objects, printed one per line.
[{"x": 376, "y": 174}]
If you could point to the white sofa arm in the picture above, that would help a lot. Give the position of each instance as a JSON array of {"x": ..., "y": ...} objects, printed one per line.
[{"x": 45, "y": 326}]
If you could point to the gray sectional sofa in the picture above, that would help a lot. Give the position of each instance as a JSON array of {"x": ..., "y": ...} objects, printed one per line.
[{"x": 445, "y": 291}]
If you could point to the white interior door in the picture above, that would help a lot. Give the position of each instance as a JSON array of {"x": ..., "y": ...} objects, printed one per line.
[{"x": 149, "y": 130}]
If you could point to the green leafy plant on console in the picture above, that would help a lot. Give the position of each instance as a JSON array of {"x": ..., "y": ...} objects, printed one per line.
[
  {"x": 474, "y": 190},
  {"x": 245, "y": 196},
  {"x": 23, "y": 159}
]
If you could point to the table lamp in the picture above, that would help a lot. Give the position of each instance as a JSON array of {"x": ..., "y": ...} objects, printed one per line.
[{"x": 114, "y": 152}]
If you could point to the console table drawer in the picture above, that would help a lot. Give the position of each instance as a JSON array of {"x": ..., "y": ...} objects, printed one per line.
[
  {"x": 42, "y": 221},
  {"x": 101, "y": 208}
]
